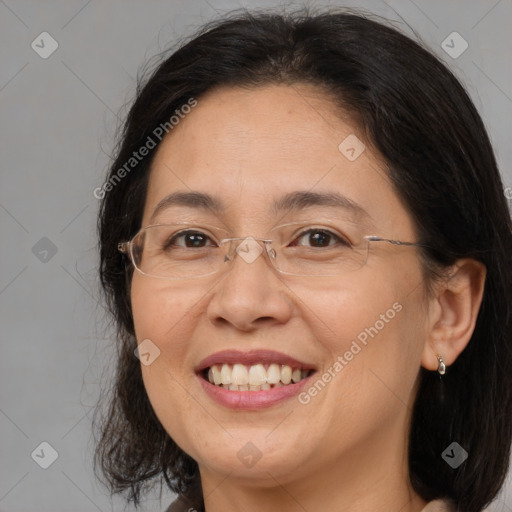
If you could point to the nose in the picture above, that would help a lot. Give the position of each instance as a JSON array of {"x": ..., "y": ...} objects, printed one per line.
[{"x": 250, "y": 293}]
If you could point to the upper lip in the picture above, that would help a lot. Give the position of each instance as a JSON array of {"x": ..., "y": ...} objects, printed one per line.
[{"x": 250, "y": 358}]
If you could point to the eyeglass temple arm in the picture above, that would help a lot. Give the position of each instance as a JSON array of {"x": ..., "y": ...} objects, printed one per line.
[{"x": 394, "y": 242}]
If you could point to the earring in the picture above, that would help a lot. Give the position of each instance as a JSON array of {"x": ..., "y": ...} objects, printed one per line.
[{"x": 441, "y": 369}]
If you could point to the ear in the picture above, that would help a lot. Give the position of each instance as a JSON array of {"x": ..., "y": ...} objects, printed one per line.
[{"x": 453, "y": 312}]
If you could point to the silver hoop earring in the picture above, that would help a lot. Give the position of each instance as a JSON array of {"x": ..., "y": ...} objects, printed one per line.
[{"x": 441, "y": 368}]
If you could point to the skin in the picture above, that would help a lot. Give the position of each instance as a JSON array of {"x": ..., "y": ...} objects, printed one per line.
[{"x": 347, "y": 448}]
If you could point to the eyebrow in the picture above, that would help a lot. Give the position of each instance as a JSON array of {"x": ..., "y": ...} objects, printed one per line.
[
  {"x": 197, "y": 200},
  {"x": 300, "y": 200},
  {"x": 293, "y": 201}
]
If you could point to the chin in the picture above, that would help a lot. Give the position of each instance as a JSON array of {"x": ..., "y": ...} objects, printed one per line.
[{"x": 254, "y": 458}]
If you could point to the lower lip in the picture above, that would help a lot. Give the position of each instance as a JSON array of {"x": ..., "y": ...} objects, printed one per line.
[{"x": 252, "y": 400}]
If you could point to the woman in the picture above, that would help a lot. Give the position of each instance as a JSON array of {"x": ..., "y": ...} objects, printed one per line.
[{"x": 305, "y": 242}]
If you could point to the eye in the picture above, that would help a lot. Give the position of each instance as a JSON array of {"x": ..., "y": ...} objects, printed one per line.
[
  {"x": 320, "y": 238},
  {"x": 188, "y": 239}
]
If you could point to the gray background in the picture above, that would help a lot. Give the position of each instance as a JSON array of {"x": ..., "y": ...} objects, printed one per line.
[{"x": 58, "y": 119}]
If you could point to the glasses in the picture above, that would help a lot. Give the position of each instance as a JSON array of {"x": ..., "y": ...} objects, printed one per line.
[{"x": 186, "y": 250}]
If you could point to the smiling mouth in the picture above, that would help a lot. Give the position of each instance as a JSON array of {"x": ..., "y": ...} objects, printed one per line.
[{"x": 256, "y": 377}]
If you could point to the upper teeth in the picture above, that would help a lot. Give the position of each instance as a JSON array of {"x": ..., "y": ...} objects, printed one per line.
[{"x": 255, "y": 376}]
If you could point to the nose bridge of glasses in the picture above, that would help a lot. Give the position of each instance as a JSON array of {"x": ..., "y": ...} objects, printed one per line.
[{"x": 248, "y": 248}]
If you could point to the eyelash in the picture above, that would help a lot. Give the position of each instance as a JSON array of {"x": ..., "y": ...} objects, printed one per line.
[{"x": 300, "y": 235}]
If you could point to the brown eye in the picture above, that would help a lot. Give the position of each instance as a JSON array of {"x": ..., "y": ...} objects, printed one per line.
[
  {"x": 319, "y": 238},
  {"x": 189, "y": 239}
]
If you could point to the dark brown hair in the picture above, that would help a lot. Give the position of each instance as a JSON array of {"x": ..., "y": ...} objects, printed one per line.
[{"x": 440, "y": 160}]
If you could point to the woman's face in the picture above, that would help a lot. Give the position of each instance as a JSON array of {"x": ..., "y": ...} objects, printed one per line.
[{"x": 362, "y": 332}]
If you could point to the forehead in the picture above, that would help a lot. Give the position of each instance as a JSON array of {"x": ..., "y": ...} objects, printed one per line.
[
  {"x": 280, "y": 125},
  {"x": 248, "y": 147}
]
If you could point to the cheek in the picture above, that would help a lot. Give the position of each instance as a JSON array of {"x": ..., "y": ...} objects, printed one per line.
[
  {"x": 163, "y": 312},
  {"x": 166, "y": 314},
  {"x": 360, "y": 308},
  {"x": 370, "y": 330}
]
